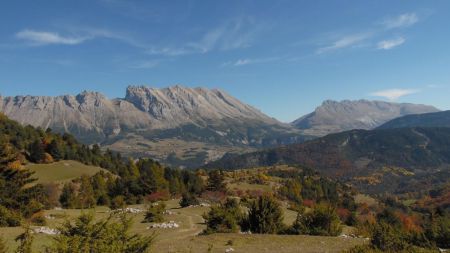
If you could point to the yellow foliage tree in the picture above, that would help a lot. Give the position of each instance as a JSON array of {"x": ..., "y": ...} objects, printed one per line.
[
  {"x": 47, "y": 158},
  {"x": 15, "y": 165}
]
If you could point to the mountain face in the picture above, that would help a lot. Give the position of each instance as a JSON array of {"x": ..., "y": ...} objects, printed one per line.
[
  {"x": 177, "y": 125},
  {"x": 436, "y": 119},
  {"x": 393, "y": 160},
  {"x": 177, "y": 105},
  {"x": 333, "y": 116}
]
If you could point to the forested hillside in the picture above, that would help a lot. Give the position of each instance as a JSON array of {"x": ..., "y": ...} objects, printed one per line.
[
  {"x": 129, "y": 181},
  {"x": 392, "y": 160},
  {"x": 436, "y": 119}
]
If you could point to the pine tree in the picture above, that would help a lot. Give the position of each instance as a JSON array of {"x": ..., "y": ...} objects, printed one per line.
[
  {"x": 152, "y": 176},
  {"x": 188, "y": 199},
  {"x": 68, "y": 196},
  {"x": 104, "y": 236},
  {"x": 55, "y": 150},
  {"x": 224, "y": 218},
  {"x": 8, "y": 154},
  {"x": 193, "y": 181},
  {"x": 133, "y": 170},
  {"x": 118, "y": 202},
  {"x": 3, "y": 248},
  {"x": 86, "y": 195},
  {"x": 100, "y": 186},
  {"x": 155, "y": 212},
  {"x": 265, "y": 216},
  {"x": 25, "y": 241},
  {"x": 216, "y": 181},
  {"x": 37, "y": 151},
  {"x": 323, "y": 220},
  {"x": 292, "y": 191}
]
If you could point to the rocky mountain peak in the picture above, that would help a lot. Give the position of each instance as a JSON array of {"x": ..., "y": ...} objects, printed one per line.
[
  {"x": 183, "y": 104},
  {"x": 90, "y": 97},
  {"x": 176, "y": 122},
  {"x": 336, "y": 116}
]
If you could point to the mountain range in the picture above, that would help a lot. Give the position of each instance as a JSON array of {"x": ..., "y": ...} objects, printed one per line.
[
  {"x": 183, "y": 126},
  {"x": 177, "y": 125},
  {"x": 334, "y": 117}
]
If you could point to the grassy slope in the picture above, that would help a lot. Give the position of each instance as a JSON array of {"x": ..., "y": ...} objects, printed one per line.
[
  {"x": 185, "y": 239},
  {"x": 61, "y": 171}
]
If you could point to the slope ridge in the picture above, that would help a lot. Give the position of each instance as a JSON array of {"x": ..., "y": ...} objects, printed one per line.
[{"x": 436, "y": 119}]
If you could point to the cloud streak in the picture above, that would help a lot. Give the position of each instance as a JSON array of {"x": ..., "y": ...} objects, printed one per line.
[
  {"x": 234, "y": 34},
  {"x": 47, "y": 38},
  {"x": 345, "y": 42},
  {"x": 394, "y": 94},
  {"x": 242, "y": 62},
  {"x": 390, "y": 44},
  {"x": 146, "y": 64},
  {"x": 248, "y": 61},
  {"x": 364, "y": 37},
  {"x": 401, "y": 21},
  {"x": 83, "y": 34}
]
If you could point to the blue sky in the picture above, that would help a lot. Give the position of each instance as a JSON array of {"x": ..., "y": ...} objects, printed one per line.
[{"x": 283, "y": 57}]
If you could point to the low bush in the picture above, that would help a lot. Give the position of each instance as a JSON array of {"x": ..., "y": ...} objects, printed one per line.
[
  {"x": 38, "y": 219},
  {"x": 118, "y": 202},
  {"x": 9, "y": 218},
  {"x": 188, "y": 199},
  {"x": 322, "y": 220},
  {"x": 224, "y": 218},
  {"x": 265, "y": 216},
  {"x": 155, "y": 212}
]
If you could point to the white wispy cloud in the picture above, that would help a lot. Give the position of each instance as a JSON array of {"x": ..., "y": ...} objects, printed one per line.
[
  {"x": 248, "y": 61},
  {"x": 242, "y": 62},
  {"x": 433, "y": 86},
  {"x": 145, "y": 64},
  {"x": 168, "y": 51},
  {"x": 95, "y": 33},
  {"x": 234, "y": 34},
  {"x": 394, "y": 94},
  {"x": 366, "y": 36},
  {"x": 390, "y": 44},
  {"x": 46, "y": 38},
  {"x": 79, "y": 36},
  {"x": 345, "y": 42},
  {"x": 403, "y": 20}
]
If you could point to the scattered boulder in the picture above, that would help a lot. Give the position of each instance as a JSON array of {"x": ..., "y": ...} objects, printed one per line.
[
  {"x": 165, "y": 225},
  {"x": 46, "y": 230},
  {"x": 128, "y": 210},
  {"x": 199, "y": 205}
]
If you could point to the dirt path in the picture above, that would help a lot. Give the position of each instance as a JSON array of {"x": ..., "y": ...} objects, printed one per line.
[
  {"x": 194, "y": 229},
  {"x": 427, "y": 140}
]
